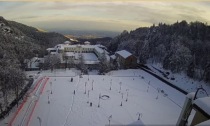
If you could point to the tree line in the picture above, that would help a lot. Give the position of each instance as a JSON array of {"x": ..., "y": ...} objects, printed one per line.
[{"x": 179, "y": 47}]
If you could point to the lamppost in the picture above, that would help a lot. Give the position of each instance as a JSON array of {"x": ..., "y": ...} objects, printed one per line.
[
  {"x": 85, "y": 87},
  {"x": 110, "y": 86},
  {"x": 92, "y": 85},
  {"x": 48, "y": 99},
  {"x": 120, "y": 86},
  {"x": 48, "y": 96},
  {"x": 55, "y": 75},
  {"x": 88, "y": 96},
  {"x": 51, "y": 87},
  {"x": 99, "y": 100},
  {"x": 109, "y": 118},
  {"x": 139, "y": 115},
  {"x": 127, "y": 95},
  {"x": 122, "y": 99},
  {"x": 40, "y": 120},
  {"x": 158, "y": 89}
]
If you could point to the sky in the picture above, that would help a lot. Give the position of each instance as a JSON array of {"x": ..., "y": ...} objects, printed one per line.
[{"x": 103, "y": 15}]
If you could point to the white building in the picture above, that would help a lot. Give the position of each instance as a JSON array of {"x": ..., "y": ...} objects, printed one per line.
[{"x": 90, "y": 53}]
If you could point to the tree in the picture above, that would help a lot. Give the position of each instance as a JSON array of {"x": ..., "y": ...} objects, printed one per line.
[
  {"x": 178, "y": 59},
  {"x": 104, "y": 65},
  {"x": 17, "y": 78},
  {"x": 11, "y": 77},
  {"x": 51, "y": 61},
  {"x": 81, "y": 64}
]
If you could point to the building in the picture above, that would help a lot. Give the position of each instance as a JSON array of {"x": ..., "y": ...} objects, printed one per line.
[
  {"x": 196, "y": 109},
  {"x": 33, "y": 64},
  {"x": 125, "y": 59},
  {"x": 70, "y": 54}
]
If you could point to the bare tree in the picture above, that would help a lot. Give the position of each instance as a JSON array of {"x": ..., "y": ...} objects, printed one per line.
[{"x": 51, "y": 61}]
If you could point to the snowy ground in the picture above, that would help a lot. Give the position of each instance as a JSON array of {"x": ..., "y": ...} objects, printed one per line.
[
  {"x": 181, "y": 80},
  {"x": 155, "y": 102}
]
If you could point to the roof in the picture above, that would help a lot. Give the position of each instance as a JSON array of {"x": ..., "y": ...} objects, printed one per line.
[
  {"x": 87, "y": 42},
  {"x": 99, "y": 49},
  {"x": 67, "y": 42},
  {"x": 48, "y": 49},
  {"x": 113, "y": 56},
  {"x": 124, "y": 53},
  {"x": 203, "y": 104},
  {"x": 205, "y": 123}
]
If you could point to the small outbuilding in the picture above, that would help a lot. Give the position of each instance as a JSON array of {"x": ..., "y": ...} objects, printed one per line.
[{"x": 125, "y": 59}]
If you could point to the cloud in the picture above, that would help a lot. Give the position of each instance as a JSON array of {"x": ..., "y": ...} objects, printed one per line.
[{"x": 103, "y": 14}]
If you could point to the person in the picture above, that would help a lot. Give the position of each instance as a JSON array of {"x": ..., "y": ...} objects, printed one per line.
[
  {"x": 74, "y": 92},
  {"x": 71, "y": 79}
]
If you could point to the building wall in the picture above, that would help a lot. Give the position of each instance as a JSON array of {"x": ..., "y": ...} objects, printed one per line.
[
  {"x": 129, "y": 62},
  {"x": 78, "y": 49}
]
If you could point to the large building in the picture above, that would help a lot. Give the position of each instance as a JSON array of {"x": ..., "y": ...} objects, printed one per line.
[{"x": 72, "y": 53}]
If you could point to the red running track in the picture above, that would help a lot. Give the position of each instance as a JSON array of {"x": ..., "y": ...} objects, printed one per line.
[{"x": 23, "y": 103}]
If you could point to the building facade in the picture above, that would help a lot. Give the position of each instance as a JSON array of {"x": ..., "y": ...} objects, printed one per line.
[{"x": 125, "y": 59}]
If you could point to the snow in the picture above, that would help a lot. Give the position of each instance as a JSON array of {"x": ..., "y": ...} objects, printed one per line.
[
  {"x": 204, "y": 104},
  {"x": 87, "y": 42},
  {"x": 181, "y": 79},
  {"x": 49, "y": 49},
  {"x": 158, "y": 103},
  {"x": 99, "y": 49},
  {"x": 90, "y": 56},
  {"x": 67, "y": 42},
  {"x": 113, "y": 56},
  {"x": 124, "y": 53}
]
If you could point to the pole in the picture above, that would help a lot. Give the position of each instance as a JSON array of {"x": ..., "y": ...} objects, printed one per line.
[
  {"x": 85, "y": 87},
  {"x": 109, "y": 118},
  {"x": 127, "y": 95},
  {"x": 110, "y": 86},
  {"x": 51, "y": 87},
  {"x": 99, "y": 100},
  {"x": 40, "y": 120},
  {"x": 120, "y": 86}
]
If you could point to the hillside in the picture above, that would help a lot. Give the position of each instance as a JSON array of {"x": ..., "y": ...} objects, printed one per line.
[
  {"x": 19, "y": 41},
  {"x": 180, "y": 47}
]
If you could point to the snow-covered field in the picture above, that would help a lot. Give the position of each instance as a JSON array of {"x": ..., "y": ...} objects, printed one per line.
[{"x": 126, "y": 95}]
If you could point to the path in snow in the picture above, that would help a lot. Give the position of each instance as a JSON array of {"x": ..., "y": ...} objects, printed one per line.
[{"x": 72, "y": 103}]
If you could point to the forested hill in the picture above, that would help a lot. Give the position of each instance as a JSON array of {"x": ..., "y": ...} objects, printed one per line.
[
  {"x": 179, "y": 47},
  {"x": 18, "y": 41}
]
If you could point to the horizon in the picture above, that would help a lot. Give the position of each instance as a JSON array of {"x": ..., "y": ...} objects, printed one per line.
[{"x": 114, "y": 16}]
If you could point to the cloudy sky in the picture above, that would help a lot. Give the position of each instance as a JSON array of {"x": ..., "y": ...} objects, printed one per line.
[{"x": 104, "y": 15}]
